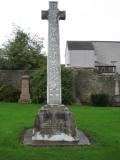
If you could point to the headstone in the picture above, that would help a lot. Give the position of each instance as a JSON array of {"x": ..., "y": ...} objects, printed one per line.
[
  {"x": 116, "y": 97},
  {"x": 54, "y": 122},
  {"x": 25, "y": 92},
  {"x": 117, "y": 92}
]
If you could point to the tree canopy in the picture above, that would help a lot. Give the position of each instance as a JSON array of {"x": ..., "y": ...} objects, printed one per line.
[{"x": 22, "y": 52}]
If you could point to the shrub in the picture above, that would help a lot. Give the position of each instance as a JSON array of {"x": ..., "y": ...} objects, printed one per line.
[
  {"x": 39, "y": 86},
  {"x": 8, "y": 93},
  {"x": 67, "y": 85},
  {"x": 99, "y": 99}
]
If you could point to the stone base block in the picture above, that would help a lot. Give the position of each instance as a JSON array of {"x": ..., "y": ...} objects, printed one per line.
[
  {"x": 27, "y": 140},
  {"x": 54, "y": 123},
  {"x": 23, "y": 100},
  {"x": 116, "y": 100}
]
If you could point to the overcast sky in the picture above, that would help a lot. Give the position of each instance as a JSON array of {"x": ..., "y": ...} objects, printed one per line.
[{"x": 85, "y": 19}]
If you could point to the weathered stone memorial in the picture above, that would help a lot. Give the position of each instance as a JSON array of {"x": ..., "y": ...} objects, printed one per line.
[
  {"x": 116, "y": 97},
  {"x": 54, "y": 124},
  {"x": 25, "y": 92}
]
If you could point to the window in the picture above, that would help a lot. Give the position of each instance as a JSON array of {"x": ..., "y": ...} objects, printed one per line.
[{"x": 106, "y": 69}]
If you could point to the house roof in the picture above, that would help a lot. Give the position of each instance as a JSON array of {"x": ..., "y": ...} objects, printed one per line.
[
  {"x": 85, "y": 45},
  {"x": 80, "y": 45}
]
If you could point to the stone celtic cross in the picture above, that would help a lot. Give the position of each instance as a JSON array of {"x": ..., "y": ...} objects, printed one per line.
[
  {"x": 54, "y": 124},
  {"x": 53, "y": 15}
]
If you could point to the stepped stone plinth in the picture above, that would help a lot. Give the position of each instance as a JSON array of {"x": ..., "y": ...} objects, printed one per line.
[{"x": 55, "y": 123}]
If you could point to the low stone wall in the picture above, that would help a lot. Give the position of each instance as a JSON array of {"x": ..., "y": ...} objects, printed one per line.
[
  {"x": 88, "y": 81},
  {"x": 85, "y": 82},
  {"x": 12, "y": 77}
]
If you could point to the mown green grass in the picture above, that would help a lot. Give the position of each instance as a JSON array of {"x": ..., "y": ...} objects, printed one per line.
[{"x": 101, "y": 124}]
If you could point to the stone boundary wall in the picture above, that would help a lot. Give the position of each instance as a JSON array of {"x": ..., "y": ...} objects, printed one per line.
[
  {"x": 85, "y": 82},
  {"x": 88, "y": 81},
  {"x": 13, "y": 77}
]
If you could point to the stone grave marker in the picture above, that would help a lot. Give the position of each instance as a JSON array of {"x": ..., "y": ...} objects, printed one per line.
[
  {"x": 25, "y": 91},
  {"x": 54, "y": 123}
]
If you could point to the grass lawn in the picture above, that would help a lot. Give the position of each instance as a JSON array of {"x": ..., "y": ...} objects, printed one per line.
[{"x": 102, "y": 124}]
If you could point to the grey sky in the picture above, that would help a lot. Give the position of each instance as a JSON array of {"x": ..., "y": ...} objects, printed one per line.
[{"x": 85, "y": 19}]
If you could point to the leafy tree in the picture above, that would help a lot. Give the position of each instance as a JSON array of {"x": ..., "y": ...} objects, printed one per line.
[
  {"x": 22, "y": 52},
  {"x": 4, "y": 62}
]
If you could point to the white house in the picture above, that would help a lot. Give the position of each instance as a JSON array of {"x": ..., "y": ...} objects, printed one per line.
[{"x": 105, "y": 55}]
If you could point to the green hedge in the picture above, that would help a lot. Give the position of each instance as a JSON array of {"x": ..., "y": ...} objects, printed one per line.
[
  {"x": 99, "y": 99},
  {"x": 38, "y": 83},
  {"x": 67, "y": 85},
  {"x": 39, "y": 86},
  {"x": 8, "y": 93}
]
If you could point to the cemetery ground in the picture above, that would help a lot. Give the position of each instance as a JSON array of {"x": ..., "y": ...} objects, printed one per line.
[{"x": 101, "y": 124}]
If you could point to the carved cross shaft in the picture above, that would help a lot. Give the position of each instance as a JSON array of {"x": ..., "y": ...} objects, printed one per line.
[{"x": 53, "y": 15}]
